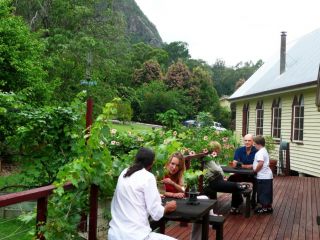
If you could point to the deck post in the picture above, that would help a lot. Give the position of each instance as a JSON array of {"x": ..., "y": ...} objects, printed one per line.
[
  {"x": 93, "y": 212},
  {"x": 42, "y": 207}
]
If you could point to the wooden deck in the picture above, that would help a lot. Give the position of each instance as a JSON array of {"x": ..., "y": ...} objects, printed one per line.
[{"x": 296, "y": 203}]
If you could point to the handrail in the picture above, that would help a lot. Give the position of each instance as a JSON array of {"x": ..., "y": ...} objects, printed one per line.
[
  {"x": 41, "y": 195},
  {"x": 29, "y": 195}
]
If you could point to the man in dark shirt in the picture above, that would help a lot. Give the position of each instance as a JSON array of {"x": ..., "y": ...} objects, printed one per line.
[{"x": 243, "y": 158}]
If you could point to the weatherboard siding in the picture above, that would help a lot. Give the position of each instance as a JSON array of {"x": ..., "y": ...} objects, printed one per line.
[{"x": 304, "y": 158}]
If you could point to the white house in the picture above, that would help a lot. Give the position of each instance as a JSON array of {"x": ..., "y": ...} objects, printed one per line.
[{"x": 281, "y": 99}]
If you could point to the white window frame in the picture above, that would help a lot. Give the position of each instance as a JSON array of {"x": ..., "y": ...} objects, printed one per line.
[
  {"x": 300, "y": 120},
  {"x": 276, "y": 122}
]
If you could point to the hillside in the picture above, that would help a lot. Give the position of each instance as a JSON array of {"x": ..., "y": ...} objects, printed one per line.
[{"x": 138, "y": 25}]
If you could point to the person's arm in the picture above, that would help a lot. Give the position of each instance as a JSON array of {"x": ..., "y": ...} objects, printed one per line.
[
  {"x": 174, "y": 184},
  {"x": 170, "y": 206},
  {"x": 247, "y": 166},
  {"x": 174, "y": 195},
  {"x": 236, "y": 157},
  {"x": 152, "y": 199},
  {"x": 259, "y": 166}
]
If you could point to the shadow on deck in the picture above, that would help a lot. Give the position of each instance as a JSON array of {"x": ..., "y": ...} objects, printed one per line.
[{"x": 296, "y": 203}]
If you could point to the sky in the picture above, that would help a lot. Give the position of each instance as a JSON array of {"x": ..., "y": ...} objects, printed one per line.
[{"x": 232, "y": 30}]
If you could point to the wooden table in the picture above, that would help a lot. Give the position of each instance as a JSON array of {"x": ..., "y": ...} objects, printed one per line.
[
  {"x": 190, "y": 213},
  {"x": 244, "y": 171}
]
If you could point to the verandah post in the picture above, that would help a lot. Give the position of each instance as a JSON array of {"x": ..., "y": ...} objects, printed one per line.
[
  {"x": 42, "y": 208},
  {"x": 93, "y": 217}
]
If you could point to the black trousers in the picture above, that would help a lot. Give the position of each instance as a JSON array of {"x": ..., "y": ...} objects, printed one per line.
[
  {"x": 221, "y": 185},
  {"x": 236, "y": 196}
]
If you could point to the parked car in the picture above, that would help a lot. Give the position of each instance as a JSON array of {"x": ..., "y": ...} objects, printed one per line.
[
  {"x": 191, "y": 123},
  {"x": 218, "y": 126}
]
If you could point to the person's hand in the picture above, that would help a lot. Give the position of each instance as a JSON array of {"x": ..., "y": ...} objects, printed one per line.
[
  {"x": 239, "y": 165},
  {"x": 167, "y": 181},
  {"x": 178, "y": 195},
  {"x": 234, "y": 163},
  {"x": 170, "y": 206}
]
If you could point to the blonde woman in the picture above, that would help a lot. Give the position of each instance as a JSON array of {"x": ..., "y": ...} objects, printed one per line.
[{"x": 173, "y": 180}]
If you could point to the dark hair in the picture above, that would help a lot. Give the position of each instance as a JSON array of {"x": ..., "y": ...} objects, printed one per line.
[
  {"x": 144, "y": 158},
  {"x": 259, "y": 140}
]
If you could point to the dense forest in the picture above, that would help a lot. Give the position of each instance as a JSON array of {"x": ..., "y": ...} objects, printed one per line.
[{"x": 50, "y": 47}]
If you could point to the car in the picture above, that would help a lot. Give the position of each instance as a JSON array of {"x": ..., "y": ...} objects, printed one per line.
[
  {"x": 218, "y": 126},
  {"x": 191, "y": 123}
]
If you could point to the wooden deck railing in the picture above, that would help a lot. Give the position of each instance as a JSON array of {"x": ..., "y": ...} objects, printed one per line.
[{"x": 41, "y": 195}]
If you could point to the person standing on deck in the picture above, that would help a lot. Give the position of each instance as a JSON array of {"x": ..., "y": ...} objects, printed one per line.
[{"x": 243, "y": 157}]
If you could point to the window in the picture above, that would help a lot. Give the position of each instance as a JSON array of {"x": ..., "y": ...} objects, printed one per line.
[
  {"x": 276, "y": 118},
  {"x": 297, "y": 119},
  {"x": 259, "y": 118},
  {"x": 245, "y": 119}
]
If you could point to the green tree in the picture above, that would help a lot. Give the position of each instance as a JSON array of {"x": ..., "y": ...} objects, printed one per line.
[
  {"x": 205, "y": 96},
  {"x": 142, "y": 52},
  {"x": 177, "y": 50},
  {"x": 155, "y": 98},
  {"x": 150, "y": 71},
  {"x": 178, "y": 76},
  {"x": 21, "y": 58},
  {"x": 170, "y": 119}
]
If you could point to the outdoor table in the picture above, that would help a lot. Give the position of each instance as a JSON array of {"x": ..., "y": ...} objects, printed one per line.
[
  {"x": 244, "y": 171},
  {"x": 190, "y": 213}
]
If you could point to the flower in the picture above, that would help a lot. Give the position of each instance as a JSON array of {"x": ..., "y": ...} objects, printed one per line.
[
  {"x": 214, "y": 154},
  {"x": 205, "y": 150},
  {"x": 225, "y": 139},
  {"x": 113, "y": 131},
  {"x": 113, "y": 142},
  {"x": 205, "y": 138},
  {"x": 175, "y": 133},
  {"x": 140, "y": 139},
  {"x": 117, "y": 143},
  {"x": 192, "y": 153}
]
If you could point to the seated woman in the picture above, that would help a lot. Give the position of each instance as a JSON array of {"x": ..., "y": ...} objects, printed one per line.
[
  {"x": 215, "y": 182},
  {"x": 173, "y": 180}
]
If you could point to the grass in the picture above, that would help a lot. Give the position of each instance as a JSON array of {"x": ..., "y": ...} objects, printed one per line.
[
  {"x": 133, "y": 127},
  {"x": 12, "y": 229}
]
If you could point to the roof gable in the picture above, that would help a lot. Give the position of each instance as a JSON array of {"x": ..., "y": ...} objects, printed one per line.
[{"x": 303, "y": 59}]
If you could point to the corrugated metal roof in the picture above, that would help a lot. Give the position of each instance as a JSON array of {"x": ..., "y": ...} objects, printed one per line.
[{"x": 302, "y": 64}]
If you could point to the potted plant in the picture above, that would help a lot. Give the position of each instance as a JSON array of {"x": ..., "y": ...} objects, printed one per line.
[
  {"x": 270, "y": 146},
  {"x": 191, "y": 178}
]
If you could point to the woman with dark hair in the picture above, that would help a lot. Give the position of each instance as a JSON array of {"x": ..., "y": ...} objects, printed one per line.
[{"x": 135, "y": 199}]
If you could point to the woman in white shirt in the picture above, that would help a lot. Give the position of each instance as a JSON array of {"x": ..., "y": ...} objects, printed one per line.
[{"x": 135, "y": 199}]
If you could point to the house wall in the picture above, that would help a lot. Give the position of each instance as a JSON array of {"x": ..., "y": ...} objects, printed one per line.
[{"x": 304, "y": 158}]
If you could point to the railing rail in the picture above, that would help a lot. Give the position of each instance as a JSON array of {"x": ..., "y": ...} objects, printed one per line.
[{"x": 41, "y": 194}]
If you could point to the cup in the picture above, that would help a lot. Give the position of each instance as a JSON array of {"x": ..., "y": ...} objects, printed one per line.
[{"x": 161, "y": 188}]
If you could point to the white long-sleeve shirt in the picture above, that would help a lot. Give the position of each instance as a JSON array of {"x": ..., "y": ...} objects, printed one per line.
[{"x": 135, "y": 199}]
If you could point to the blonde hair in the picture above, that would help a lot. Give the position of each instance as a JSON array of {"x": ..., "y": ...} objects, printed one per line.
[
  {"x": 215, "y": 146},
  {"x": 178, "y": 176}
]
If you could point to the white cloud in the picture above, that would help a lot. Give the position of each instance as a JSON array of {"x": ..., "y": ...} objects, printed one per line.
[{"x": 231, "y": 29}]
